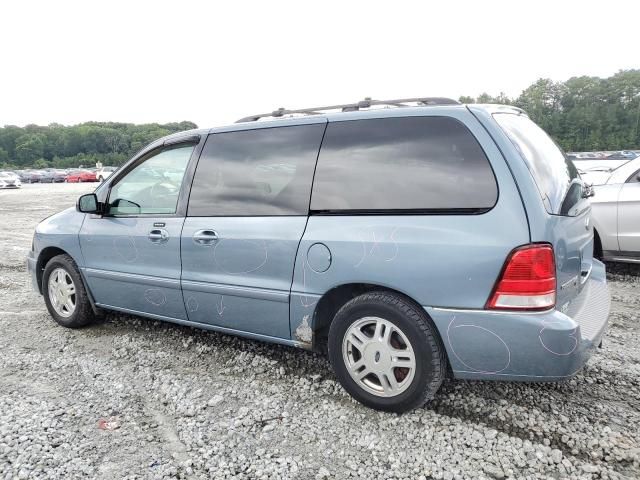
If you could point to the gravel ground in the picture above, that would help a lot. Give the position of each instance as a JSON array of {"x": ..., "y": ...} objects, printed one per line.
[{"x": 179, "y": 402}]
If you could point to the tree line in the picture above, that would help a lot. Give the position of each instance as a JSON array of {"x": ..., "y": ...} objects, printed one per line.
[
  {"x": 85, "y": 144},
  {"x": 582, "y": 114}
]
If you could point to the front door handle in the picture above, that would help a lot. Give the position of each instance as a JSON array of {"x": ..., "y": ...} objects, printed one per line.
[
  {"x": 205, "y": 237},
  {"x": 158, "y": 235}
]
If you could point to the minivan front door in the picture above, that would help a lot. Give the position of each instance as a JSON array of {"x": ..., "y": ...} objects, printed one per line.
[
  {"x": 132, "y": 253},
  {"x": 247, "y": 213}
]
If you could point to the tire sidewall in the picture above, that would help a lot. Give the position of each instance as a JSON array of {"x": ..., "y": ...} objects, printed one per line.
[{"x": 425, "y": 357}]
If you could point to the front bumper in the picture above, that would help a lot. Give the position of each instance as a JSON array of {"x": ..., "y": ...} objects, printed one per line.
[
  {"x": 549, "y": 345},
  {"x": 31, "y": 268}
]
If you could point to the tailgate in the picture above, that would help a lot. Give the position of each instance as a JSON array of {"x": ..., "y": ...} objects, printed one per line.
[
  {"x": 572, "y": 240},
  {"x": 567, "y": 223}
]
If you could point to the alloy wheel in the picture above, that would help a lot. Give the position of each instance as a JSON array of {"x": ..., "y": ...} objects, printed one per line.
[
  {"x": 62, "y": 292},
  {"x": 378, "y": 356}
]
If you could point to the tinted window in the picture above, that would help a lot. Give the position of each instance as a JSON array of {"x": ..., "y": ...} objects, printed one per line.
[
  {"x": 552, "y": 171},
  {"x": 153, "y": 186},
  {"x": 402, "y": 163},
  {"x": 266, "y": 171}
]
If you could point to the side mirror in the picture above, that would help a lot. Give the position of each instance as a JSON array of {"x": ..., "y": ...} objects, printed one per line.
[
  {"x": 88, "y": 203},
  {"x": 588, "y": 190}
]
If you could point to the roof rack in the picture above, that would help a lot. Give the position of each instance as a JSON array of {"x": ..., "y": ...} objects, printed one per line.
[{"x": 352, "y": 107}]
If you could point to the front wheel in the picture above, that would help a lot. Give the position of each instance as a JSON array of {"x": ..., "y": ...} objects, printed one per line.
[
  {"x": 64, "y": 293},
  {"x": 386, "y": 352}
]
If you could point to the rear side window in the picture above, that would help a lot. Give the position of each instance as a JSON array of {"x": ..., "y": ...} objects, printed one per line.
[
  {"x": 407, "y": 163},
  {"x": 266, "y": 171},
  {"x": 553, "y": 172}
]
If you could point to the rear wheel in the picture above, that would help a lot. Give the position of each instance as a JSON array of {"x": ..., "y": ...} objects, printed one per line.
[
  {"x": 64, "y": 293},
  {"x": 386, "y": 352}
]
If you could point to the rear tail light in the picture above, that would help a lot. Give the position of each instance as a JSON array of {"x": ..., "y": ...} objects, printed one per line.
[{"x": 527, "y": 281}]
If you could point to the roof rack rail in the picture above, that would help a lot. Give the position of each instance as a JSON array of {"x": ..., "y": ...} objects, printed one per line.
[{"x": 352, "y": 107}]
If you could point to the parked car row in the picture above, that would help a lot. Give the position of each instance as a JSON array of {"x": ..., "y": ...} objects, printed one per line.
[
  {"x": 620, "y": 155},
  {"x": 14, "y": 179}
]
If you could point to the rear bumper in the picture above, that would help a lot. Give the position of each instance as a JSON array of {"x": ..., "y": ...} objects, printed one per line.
[{"x": 542, "y": 346}]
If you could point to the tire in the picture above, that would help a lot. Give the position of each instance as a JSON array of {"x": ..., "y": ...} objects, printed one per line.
[
  {"x": 100, "y": 179},
  {"x": 82, "y": 314},
  {"x": 411, "y": 331}
]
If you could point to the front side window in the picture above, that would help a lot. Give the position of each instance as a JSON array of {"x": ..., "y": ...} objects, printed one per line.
[
  {"x": 407, "y": 163},
  {"x": 153, "y": 186},
  {"x": 265, "y": 171}
]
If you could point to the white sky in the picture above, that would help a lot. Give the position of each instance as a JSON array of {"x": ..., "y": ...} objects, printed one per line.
[{"x": 213, "y": 62}]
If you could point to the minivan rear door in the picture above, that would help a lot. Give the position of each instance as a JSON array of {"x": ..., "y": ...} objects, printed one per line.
[
  {"x": 247, "y": 212},
  {"x": 562, "y": 191}
]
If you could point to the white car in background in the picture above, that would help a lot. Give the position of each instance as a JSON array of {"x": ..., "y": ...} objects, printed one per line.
[
  {"x": 105, "y": 172},
  {"x": 616, "y": 212},
  {"x": 9, "y": 180}
]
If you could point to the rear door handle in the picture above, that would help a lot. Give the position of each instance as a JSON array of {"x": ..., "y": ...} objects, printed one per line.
[
  {"x": 205, "y": 237},
  {"x": 158, "y": 235}
]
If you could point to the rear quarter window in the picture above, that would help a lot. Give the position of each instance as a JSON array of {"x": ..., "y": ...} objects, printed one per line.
[
  {"x": 554, "y": 174},
  {"x": 397, "y": 164}
]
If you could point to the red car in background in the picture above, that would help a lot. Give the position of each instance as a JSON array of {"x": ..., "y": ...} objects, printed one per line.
[{"x": 78, "y": 176}]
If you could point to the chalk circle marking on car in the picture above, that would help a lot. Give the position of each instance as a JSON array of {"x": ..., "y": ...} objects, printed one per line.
[
  {"x": 571, "y": 347},
  {"x": 192, "y": 304},
  {"x": 372, "y": 350},
  {"x": 255, "y": 255},
  {"x": 155, "y": 296},
  {"x": 491, "y": 335},
  {"x": 126, "y": 248}
]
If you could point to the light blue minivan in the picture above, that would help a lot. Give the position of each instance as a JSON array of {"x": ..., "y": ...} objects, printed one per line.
[{"x": 411, "y": 239}]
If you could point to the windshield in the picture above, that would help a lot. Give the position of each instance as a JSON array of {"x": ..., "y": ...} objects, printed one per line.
[{"x": 552, "y": 171}]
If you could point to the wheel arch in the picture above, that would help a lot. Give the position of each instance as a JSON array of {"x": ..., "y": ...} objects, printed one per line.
[
  {"x": 46, "y": 254},
  {"x": 332, "y": 300},
  {"x": 597, "y": 245}
]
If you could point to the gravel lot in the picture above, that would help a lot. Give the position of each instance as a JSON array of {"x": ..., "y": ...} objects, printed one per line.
[{"x": 197, "y": 404}]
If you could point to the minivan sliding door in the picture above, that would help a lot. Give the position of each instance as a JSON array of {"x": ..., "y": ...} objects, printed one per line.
[{"x": 247, "y": 213}]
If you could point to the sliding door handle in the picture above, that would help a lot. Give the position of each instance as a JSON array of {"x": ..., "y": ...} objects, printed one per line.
[{"x": 205, "y": 237}]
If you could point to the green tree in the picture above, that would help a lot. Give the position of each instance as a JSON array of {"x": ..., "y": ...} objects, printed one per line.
[
  {"x": 41, "y": 163},
  {"x": 29, "y": 147}
]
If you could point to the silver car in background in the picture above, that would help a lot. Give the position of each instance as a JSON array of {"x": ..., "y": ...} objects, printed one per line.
[
  {"x": 616, "y": 212},
  {"x": 9, "y": 180}
]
